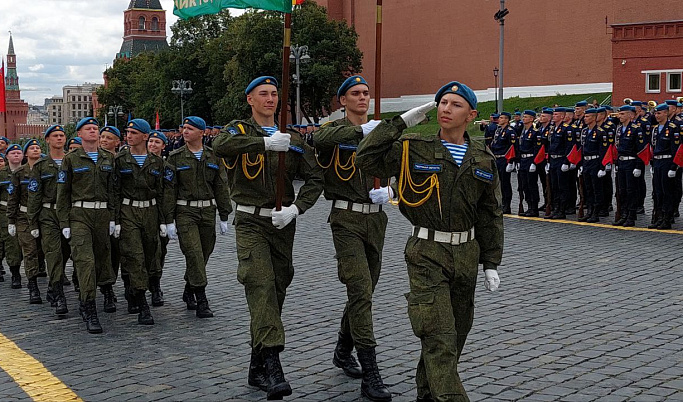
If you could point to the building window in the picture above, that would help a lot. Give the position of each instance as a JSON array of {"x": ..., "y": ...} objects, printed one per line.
[
  {"x": 652, "y": 84},
  {"x": 673, "y": 82},
  {"x": 155, "y": 24},
  {"x": 141, "y": 23}
]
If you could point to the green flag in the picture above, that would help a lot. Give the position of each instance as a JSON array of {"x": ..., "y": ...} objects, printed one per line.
[{"x": 191, "y": 8}]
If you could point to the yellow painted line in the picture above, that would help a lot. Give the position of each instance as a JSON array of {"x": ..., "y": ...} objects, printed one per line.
[
  {"x": 596, "y": 225},
  {"x": 30, "y": 374}
]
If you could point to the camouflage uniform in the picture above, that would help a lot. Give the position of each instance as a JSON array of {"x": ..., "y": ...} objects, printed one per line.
[
  {"x": 12, "y": 249},
  {"x": 442, "y": 254},
  {"x": 17, "y": 207}
]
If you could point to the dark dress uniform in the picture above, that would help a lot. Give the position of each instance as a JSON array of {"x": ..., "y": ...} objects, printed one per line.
[
  {"x": 629, "y": 141},
  {"x": 573, "y": 139},
  {"x": 594, "y": 143},
  {"x": 489, "y": 133},
  {"x": 558, "y": 149},
  {"x": 42, "y": 214},
  {"x": 665, "y": 142},
  {"x": 608, "y": 184},
  {"x": 504, "y": 138},
  {"x": 11, "y": 245},
  {"x": 540, "y": 167},
  {"x": 645, "y": 128},
  {"x": 530, "y": 143},
  {"x": 442, "y": 254}
]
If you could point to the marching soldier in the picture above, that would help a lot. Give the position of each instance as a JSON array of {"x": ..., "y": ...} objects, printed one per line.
[
  {"x": 456, "y": 227},
  {"x": 17, "y": 217},
  {"x": 138, "y": 184},
  {"x": 504, "y": 139},
  {"x": 42, "y": 215},
  {"x": 629, "y": 141},
  {"x": 156, "y": 144},
  {"x": 263, "y": 235},
  {"x": 530, "y": 143},
  {"x": 594, "y": 144},
  {"x": 558, "y": 165},
  {"x": 198, "y": 189},
  {"x": 11, "y": 242},
  {"x": 358, "y": 225},
  {"x": 85, "y": 208},
  {"x": 665, "y": 142}
]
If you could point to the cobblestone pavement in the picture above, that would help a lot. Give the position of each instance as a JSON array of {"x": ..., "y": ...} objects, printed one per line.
[{"x": 583, "y": 313}]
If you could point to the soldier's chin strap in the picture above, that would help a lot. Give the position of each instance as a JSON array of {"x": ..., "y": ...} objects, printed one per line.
[{"x": 405, "y": 180}]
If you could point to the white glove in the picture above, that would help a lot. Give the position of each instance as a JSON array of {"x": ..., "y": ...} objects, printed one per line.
[
  {"x": 564, "y": 167},
  {"x": 381, "y": 195},
  {"x": 117, "y": 231},
  {"x": 224, "y": 227},
  {"x": 532, "y": 168},
  {"x": 510, "y": 167},
  {"x": 112, "y": 227},
  {"x": 580, "y": 171},
  {"x": 369, "y": 126},
  {"x": 671, "y": 174},
  {"x": 608, "y": 167},
  {"x": 547, "y": 168},
  {"x": 517, "y": 167},
  {"x": 277, "y": 142},
  {"x": 492, "y": 281},
  {"x": 162, "y": 230},
  {"x": 602, "y": 173},
  {"x": 616, "y": 168},
  {"x": 637, "y": 172},
  {"x": 35, "y": 233},
  {"x": 414, "y": 116},
  {"x": 652, "y": 170},
  {"x": 12, "y": 230},
  {"x": 171, "y": 231},
  {"x": 572, "y": 166},
  {"x": 66, "y": 232},
  {"x": 282, "y": 217}
]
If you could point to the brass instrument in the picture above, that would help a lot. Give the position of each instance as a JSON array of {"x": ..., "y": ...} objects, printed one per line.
[
  {"x": 651, "y": 105},
  {"x": 482, "y": 122},
  {"x": 628, "y": 101},
  {"x": 679, "y": 99}
]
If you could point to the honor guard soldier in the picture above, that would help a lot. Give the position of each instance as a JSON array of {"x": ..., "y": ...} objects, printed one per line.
[
  {"x": 138, "y": 185},
  {"x": 558, "y": 166},
  {"x": 198, "y": 189},
  {"x": 629, "y": 141},
  {"x": 490, "y": 128},
  {"x": 3, "y": 209},
  {"x": 42, "y": 215},
  {"x": 644, "y": 122},
  {"x": 543, "y": 126},
  {"x": 573, "y": 140},
  {"x": 674, "y": 117},
  {"x": 263, "y": 235},
  {"x": 156, "y": 144},
  {"x": 594, "y": 145},
  {"x": 17, "y": 217},
  {"x": 530, "y": 143},
  {"x": 457, "y": 224},
  {"x": 85, "y": 208},
  {"x": 503, "y": 140},
  {"x": 606, "y": 122},
  {"x": 10, "y": 241},
  {"x": 516, "y": 123},
  {"x": 665, "y": 142},
  {"x": 358, "y": 225}
]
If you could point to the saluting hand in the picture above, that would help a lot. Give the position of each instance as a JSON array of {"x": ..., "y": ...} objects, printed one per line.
[{"x": 414, "y": 116}]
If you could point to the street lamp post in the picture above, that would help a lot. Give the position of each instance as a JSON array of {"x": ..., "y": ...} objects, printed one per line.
[
  {"x": 500, "y": 17},
  {"x": 182, "y": 88},
  {"x": 115, "y": 111},
  {"x": 298, "y": 55},
  {"x": 495, "y": 78}
]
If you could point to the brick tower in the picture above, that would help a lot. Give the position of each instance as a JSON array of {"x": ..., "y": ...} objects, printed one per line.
[
  {"x": 17, "y": 109},
  {"x": 144, "y": 28}
]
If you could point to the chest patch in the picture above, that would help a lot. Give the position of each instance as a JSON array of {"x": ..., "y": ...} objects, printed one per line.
[
  {"x": 61, "y": 177},
  {"x": 423, "y": 167}
]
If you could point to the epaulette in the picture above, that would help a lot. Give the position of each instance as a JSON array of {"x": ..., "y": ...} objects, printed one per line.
[
  {"x": 672, "y": 125},
  {"x": 600, "y": 129},
  {"x": 565, "y": 125},
  {"x": 575, "y": 126}
]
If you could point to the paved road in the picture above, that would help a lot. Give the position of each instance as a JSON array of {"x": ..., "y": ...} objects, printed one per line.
[{"x": 583, "y": 313}]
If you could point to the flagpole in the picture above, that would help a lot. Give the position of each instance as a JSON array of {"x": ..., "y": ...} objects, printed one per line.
[
  {"x": 284, "y": 103},
  {"x": 378, "y": 70}
]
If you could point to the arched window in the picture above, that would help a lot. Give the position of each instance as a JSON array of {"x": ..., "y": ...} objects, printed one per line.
[
  {"x": 141, "y": 23},
  {"x": 155, "y": 24}
]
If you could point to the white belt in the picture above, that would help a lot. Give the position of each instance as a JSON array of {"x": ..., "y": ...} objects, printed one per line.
[
  {"x": 3, "y": 203},
  {"x": 139, "y": 204},
  {"x": 627, "y": 158},
  {"x": 590, "y": 158},
  {"x": 49, "y": 205},
  {"x": 662, "y": 156},
  {"x": 198, "y": 204},
  {"x": 23, "y": 208},
  {"x": 556, "y": 156},
  {"x": 453, "y": 238},
  {"x": 527, "y": 155},
  {"x": 255, "y": 210},
  {"x": 499, "y": 156},
  {"x": 90, "y": 204},
  {"x": 356, "y": 207}
]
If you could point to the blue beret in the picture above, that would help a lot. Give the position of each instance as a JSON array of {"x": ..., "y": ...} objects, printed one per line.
[
  {"x": 260, "y": 81},
  {"x": 506, "y": 114},
  {"x": 602, "y": 109},
  {"x": 350, "y": 83},
  {"x": 110, "y": 129},
  {"x": 5, "y": 139},
  {"x": 659, "y": 108},
  {"x": 2, "y": 155},
  {"x": 679, "y": 104},
  {"x": 518, "y": 113},
  {"x": 86, "y": 120},
  {"x": 139, "y": 125},
  {"x": 637, "y": 103},
  {"x": 195, "y": 121},
  {"x": 569, "y": 110},
  {"x": 53, "y": 128},
  {"x": 607, "y": 108},
  {"x": 581, "y": 104},
  {"x": 30, "y": 142},
  {"x": 218, "y": 127},
  {"x": 209, "y": 127},
  {"x": 495, "y": 115},
  {"x": 75, "y": 140},
  {"x": 592, "y": 111},
  {"x": 627, "y": 108},
  {"x": 454, "y": 87},
  {"x": 547, "y": 110},
  {"x": 530, "y": 113},
  {"x": 13, "y": 147},
  {"x": 159, "y": 135},
  {"x": 316, "y": 125},
  {"x": 671, "y": 102}
]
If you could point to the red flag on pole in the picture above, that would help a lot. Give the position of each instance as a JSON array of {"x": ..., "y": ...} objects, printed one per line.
[
  {"x": 678, "y": 158},
  {"x": 510, "y": 154},
  {"x": 540, "y": 157},
  {"x": 610, "y": 155},
  {"x": 646, "y": 154},
  {"x": 156, "y": 124},
  {"x": 574, "y": 156},
  {"x": 3, "y": 104}
]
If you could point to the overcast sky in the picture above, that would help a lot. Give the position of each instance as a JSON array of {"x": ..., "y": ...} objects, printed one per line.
[{"x": 63, "y": 42}]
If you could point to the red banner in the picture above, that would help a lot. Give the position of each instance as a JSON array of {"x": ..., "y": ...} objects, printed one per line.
[
  {"x": 156, "y": 124},
  {"x": 574, "y": 156},
  {"x": 540, "y": 157},
  {"x": 678, "y": 158},
  {"x": 610, "y": 155},
  {"x": 646, "y": 154},
  {"x": 510, "y": 154}
]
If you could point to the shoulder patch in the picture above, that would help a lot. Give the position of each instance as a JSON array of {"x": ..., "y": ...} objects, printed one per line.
[
  {"x": 232, "y": 131},
  {"x": 212, "y": 166},
  {"x": 61, "y": 177},
  {"x": 297, "y": 149}
]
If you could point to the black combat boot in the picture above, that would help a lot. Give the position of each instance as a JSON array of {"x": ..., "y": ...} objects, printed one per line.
[
  {"x": 34, "y": 292},
  {"x": 424, "y": 399},
  {"x": 82, "y": 309},
  {"x": 666, "y": 221},
  {"x": 278, "y": 387},
  {"x": 74, "y": 280},
  {"x": 2, "y": 269},
  {"x": 559, "y": 214},
  {"x": 2, "y": 278},
  {"x": 92, "y": 322},
  {"x": 631, "y": 219},
  {"x": 507, "y": 210},
  {"x": 188, "y": 297},
  {"x": 145, "y": 316},
  {"x": 656, "y": 220},
  {"x": 621, "y": 221},
  {"x": 51, "y": 296},
  {"x": 203, "y": 310},
  {"x": 133, "y": 307},
  {"x": 16, "y": 277},
  {"x": 595, "y": 216},
  {"x": 257, "y": 372},
  {"x": 155, "y": 289},
  {"x": 533, "y": 211},
  {"x": 343, "y": 357},
  {"x": 61, "y": 308},
  {"x": 109, "y": 304},
  {"x": 372, "y": 386}
]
